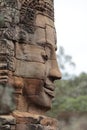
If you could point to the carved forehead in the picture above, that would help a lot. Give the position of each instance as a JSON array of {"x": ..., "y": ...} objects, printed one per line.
[
  {"x": 39, "y": 20},
  {"x": 36, "y": 0},
  {"x": 35, "y": 17},
  {"x": 43, "y": 6}
]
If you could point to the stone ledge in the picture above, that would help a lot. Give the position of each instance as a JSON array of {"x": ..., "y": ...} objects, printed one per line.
[
  {"x": 7, "y": 122},
  {"x": 28, "y": 121}
]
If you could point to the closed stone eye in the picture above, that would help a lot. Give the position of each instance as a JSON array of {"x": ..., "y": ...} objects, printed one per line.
[{"x": 45, "y": 56}]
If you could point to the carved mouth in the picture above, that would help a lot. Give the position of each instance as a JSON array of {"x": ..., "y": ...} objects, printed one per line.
[{"x": 49, "y": 89}]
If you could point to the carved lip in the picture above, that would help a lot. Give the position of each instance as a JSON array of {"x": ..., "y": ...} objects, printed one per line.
[{"x": 49, "y": 89}]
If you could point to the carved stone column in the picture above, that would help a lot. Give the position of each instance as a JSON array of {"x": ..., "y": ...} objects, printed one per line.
[{"x": 28, "y": 65}]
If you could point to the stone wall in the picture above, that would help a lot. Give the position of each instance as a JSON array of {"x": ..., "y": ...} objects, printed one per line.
[{"x": 28, "y": 64}]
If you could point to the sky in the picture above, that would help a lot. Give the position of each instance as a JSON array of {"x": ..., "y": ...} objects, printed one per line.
[{"x": 71, "y": 28}]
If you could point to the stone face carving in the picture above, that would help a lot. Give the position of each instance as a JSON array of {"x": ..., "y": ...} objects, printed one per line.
[{"x": 27, "y": 52}]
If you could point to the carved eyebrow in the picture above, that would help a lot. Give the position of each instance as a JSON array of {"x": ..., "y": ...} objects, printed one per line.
[
  {"x": 46, "y": 44},
  {"x": 51, "y": 46},
  {"x": 41, "y": 44}
]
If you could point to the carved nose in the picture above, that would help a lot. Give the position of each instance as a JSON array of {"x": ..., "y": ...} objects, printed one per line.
[{"x": 55, "y": 74}]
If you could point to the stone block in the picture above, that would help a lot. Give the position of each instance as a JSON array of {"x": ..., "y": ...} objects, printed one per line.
[
  {"x": 28, "y": 121},
  {"x": 40, "y": 36},
  {"x": 42, "y": 20},
  {"x": 29, "y": 53},
  {"x": 7, "y": 122},
  {"x": 29, "y": 69},
  {"x": 50, "y": 35}
]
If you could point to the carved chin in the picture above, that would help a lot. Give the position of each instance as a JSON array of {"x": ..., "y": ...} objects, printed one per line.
[
  {"x": 42, "y": 100},
  {"x": 35, "y": 92}
]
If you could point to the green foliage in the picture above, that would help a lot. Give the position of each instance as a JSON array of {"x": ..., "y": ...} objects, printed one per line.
[
  {"x": 74, "y": 104},
  {"x": 71, "y": 95}
]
